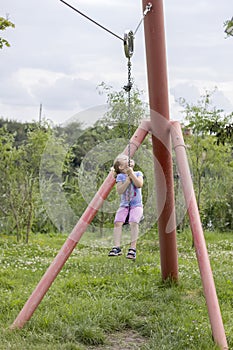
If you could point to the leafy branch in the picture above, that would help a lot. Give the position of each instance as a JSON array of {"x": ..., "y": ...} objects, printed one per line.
[
  {"x": 229, "y": 27},
  {"x": 5, "y": 23}
]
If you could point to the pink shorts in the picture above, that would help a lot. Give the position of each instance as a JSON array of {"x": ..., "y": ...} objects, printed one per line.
[{"x": 135, "y": 214}]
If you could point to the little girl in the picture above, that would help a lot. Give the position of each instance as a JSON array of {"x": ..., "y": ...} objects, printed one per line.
[{"x": 129, "y": 184}]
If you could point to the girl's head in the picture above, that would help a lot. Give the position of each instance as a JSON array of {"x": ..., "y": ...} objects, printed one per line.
[{"x": 121, "y": 163}]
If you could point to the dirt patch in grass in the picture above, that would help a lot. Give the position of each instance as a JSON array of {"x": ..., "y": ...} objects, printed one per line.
[{"x": 127, "y": 340}]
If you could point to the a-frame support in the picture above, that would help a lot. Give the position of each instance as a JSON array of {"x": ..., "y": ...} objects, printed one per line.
[
  {"x": 96, "y": 203},
  {"x": 161, "y": 132}
]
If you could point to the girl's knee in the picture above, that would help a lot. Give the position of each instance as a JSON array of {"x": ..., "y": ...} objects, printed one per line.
[
  {"x": 118, "y": 224},
  {"x": 133, "y": 224}
]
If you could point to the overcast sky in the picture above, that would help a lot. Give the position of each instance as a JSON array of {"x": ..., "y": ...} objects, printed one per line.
[{"x": 58, "y": 58}]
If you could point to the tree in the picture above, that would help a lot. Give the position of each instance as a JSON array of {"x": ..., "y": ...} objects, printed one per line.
[
  {"x": 13, "y": 185},
  {"x": 117, "y": 115},
  {"x": 6, "y": 168},
  {"x": 5, "y": 23},
  {"x": 32, "y": 152},
  {"x": 210, "y": 150},
  {"x": 19, "y": 171}
]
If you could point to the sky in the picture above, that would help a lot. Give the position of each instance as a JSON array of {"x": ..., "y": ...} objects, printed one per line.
[{"x": 58, "y": 58}]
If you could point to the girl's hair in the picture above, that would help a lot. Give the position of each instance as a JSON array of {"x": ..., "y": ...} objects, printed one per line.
[
  {"x": 116, "y": 166},
  {"x": 118, "y": 162}
]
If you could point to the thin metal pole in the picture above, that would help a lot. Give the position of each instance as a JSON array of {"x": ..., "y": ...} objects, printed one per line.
[
  {"x": 159, "y": 106},
  {"x": 66, "y": 250},
  {"x": 198, "y": 237},
  {"x": 40, "y": 113}
]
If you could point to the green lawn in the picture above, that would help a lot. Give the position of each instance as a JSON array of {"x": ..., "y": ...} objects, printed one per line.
[{"x": 97, "y": 302}]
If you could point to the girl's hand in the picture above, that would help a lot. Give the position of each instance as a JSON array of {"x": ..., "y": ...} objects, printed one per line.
[{"x": 129, "y": 171}]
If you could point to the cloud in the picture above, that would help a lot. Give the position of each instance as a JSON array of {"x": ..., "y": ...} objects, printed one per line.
[
  {"x": 58, "y": 57},
  {"x": 196, "y": 45},
  {"x": 66, "y": 93},
  {"x": 12, "y": 92},
  {"x": 88, "y": 116},
  {"x": 187, "y": 91},
  {"x": 192, "y": 94},
  {"x": 222, "y": 102}
]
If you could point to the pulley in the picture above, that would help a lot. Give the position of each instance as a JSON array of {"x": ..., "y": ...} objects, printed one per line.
[{"x": 128, "y": 43}]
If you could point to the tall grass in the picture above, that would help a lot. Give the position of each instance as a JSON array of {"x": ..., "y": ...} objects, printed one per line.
[{"x": 97, "y": 302}]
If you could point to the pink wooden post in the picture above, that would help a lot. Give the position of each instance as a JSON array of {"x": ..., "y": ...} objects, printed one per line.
[
  {"x": 198, "y": 237},
  {"x": 66, "y": 250}
]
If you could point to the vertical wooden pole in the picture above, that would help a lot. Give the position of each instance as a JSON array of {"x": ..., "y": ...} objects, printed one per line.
[{"x": 159, "y": 106}]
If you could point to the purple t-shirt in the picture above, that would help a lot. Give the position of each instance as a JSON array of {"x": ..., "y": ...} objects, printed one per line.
[{"x": 133, "y": 195}]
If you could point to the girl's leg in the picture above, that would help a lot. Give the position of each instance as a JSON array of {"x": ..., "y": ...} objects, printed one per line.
[
  {"x": 117, "y": 232},
  {"x": 118, "y": 223},
  {"x": 134, "y": 227}
]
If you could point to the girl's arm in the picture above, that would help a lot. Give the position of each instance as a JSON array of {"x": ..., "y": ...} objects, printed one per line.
[
  {"x": 137, "y": 180},
  {"x": 122, "y": 186}
]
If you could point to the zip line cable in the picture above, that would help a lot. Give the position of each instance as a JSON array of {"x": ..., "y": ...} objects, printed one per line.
[
  {"x": 90, "y": 19},
  {"x": 147, "y": 9}
]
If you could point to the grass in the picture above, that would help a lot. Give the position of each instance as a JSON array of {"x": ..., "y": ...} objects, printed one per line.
[{"x": 97, "y": 302}]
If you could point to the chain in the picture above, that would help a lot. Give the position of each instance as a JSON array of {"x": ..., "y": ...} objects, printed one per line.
[
  {"x": 129, "y": 49},
  {"x": 129, "y": 107},
  {"x": 127, "y": 88}
]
